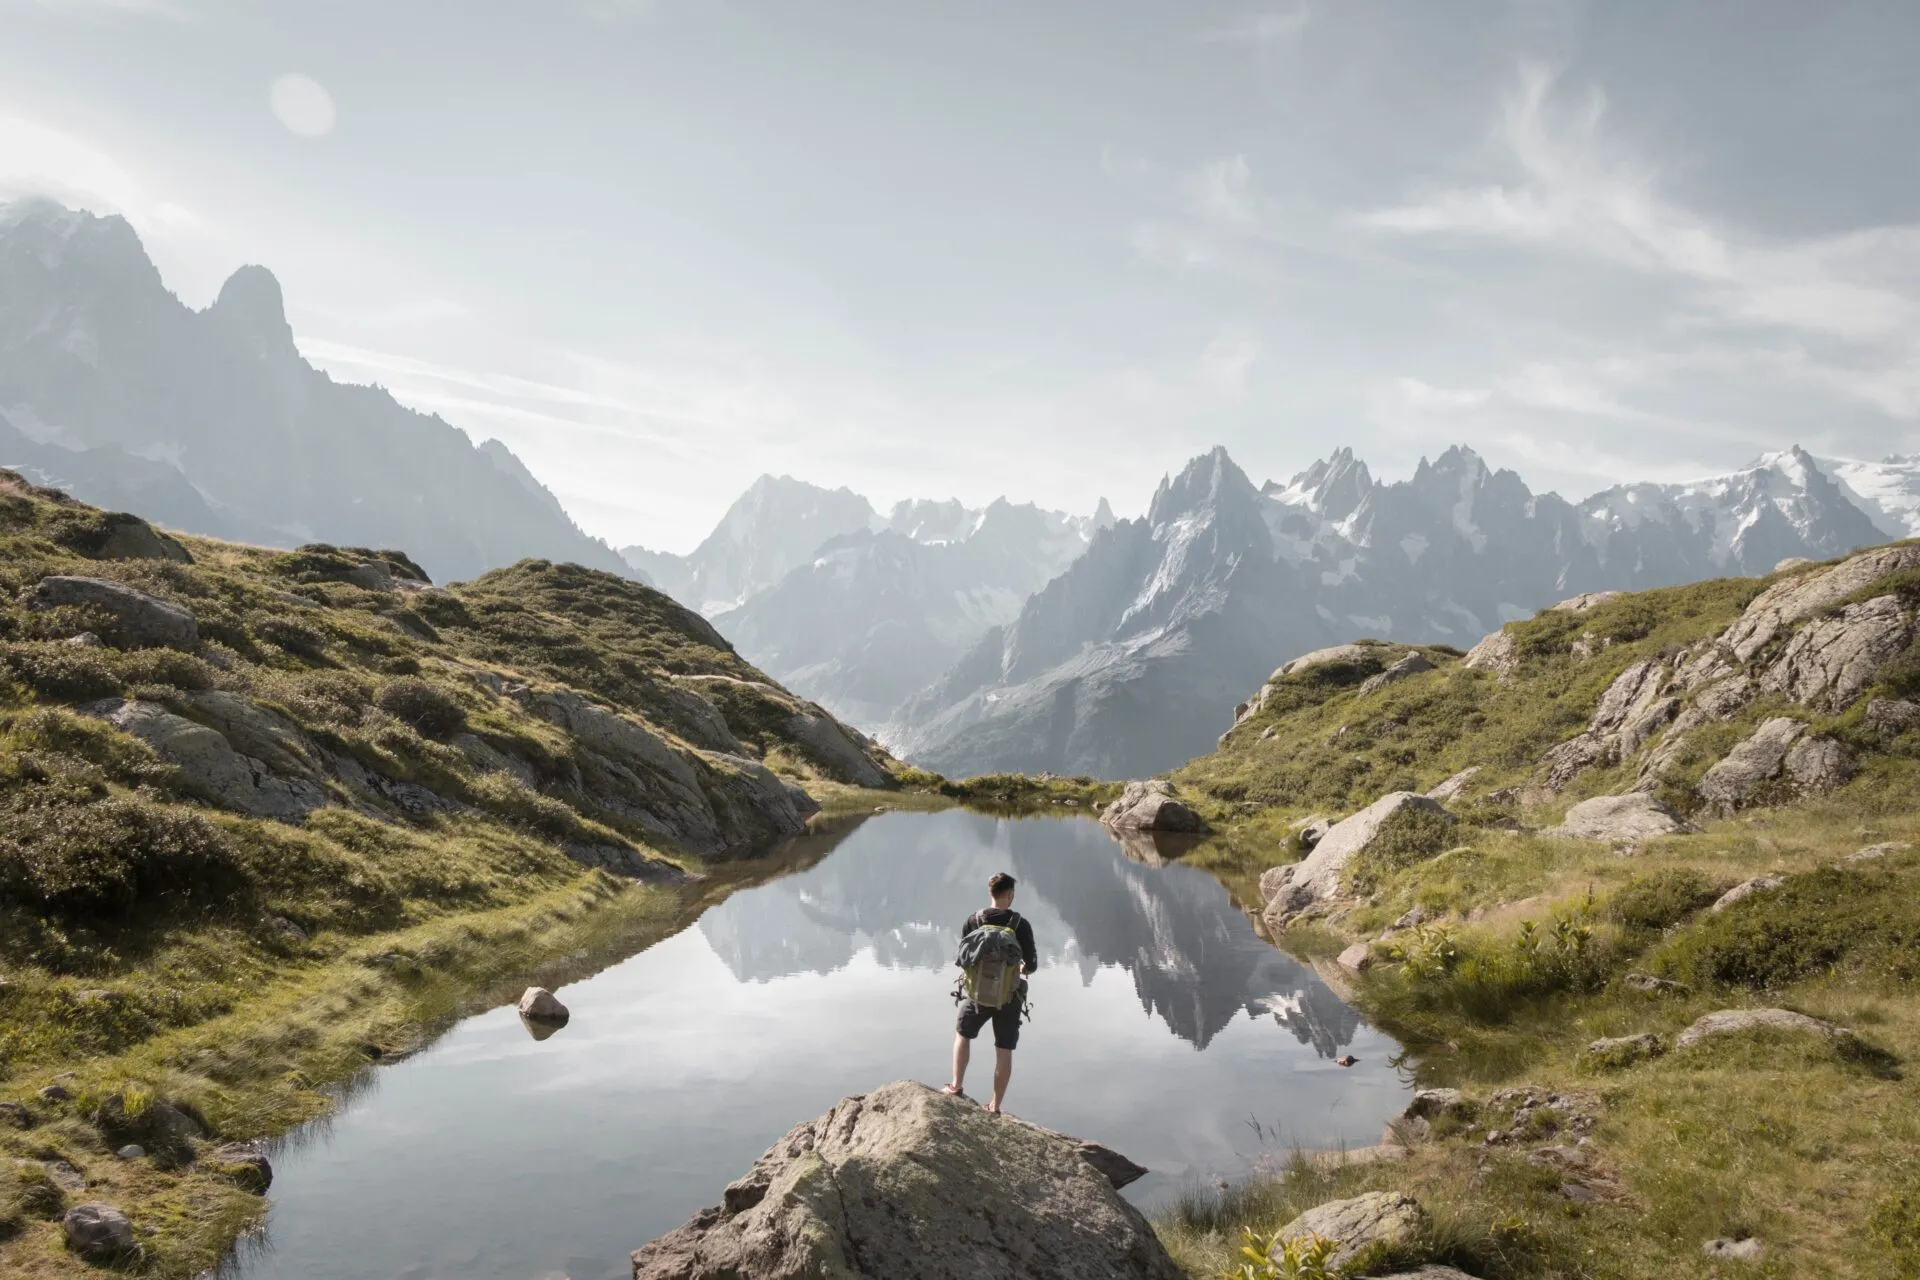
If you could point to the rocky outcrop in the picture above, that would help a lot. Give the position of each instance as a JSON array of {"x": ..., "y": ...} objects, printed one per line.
[
  {"x": 1498, "y": 653},
  {"x": 1453, "y": 788},
  {"x": 1318, "y": 876},
  {"x": 140, "y": 621},
  {"x": 1746, "y": 889},
  {"x": 537, "y": 1004},
  {"x": 209, "y": 766},
  {"x": 905, "y": 1181},
  {"x": 1411, "y": 665},
  {"x": 1831, "y": 661},
  {"x": 1892, "y": 717},
  {"x": 1620, "y": 819},
  {"x": 126, "y": 537},
  {"x": 1733, "y": 1021},
  {"x": 1634, "y": 708},
  {"x": 1621, "y": 1051},
  {"x": 98, "y": 1232},
  {"x": 1384, "y": 1219},
  {"x": 1585, "y": 603},
  {"x": 1797, "y": 598},
  {"x": 824, "y": 741},
  {"x": 1777, "y": 755},
  {"x": 1152, "y": 806},
  {"x": 254, "y": 730}
]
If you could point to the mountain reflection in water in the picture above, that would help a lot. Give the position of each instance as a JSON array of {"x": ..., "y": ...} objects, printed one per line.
[{"x": 1194, "y": 959}]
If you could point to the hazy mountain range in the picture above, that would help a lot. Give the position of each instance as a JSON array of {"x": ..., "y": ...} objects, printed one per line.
[
  {"x": 1131, "y": 661},
  {"x": 211, "y": 421},
  {"x": 857, "y": 610}
]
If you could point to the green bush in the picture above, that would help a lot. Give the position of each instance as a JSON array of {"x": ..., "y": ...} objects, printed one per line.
[
  {"x": 1407, "y": 838},
  {"x": 431, "y": 710},
  {"x": 1816, "y": 923},
  {"x": 62, "y": 671},
  {"x": 1652, "y": 904},
  {"x": 1895, "y": 1225},
  {"x": 293, "y": 636},
  {"x": 109, "y": 857}
]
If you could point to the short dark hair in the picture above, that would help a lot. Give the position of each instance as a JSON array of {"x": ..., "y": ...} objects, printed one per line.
[{"x": 1001, "y": 885}]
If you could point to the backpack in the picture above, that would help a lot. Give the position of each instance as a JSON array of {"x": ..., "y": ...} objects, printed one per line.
[{"x": 990, "y": 959}]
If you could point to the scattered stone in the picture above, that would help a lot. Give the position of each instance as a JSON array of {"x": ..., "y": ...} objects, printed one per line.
[
  {"x": 1655, "y": 986},
  {"x": 1411, "y": 665},
  {"x": 1730, "y": 1021},
  {"x": 1271, "y": 880},
  {"x": 1317, "y": 877},
  {"x": 132, "y": 1151},
  {"x": 1498, "y": 653},
  {"x": 287, "y": 929},
  {"x": 144, "y": 621},
  {"x": 1875, "y": 852},
  {"x": 1818, "y": 765},
  {"x": 1431, "y": 1104},
  {"x": 1345, "y": 1060},
  {"x": 1410, "y": 919},
  {"x": 1585, "y": 603},
  {"x": 1270, "y": 732},
  {"x": 244, "y": 1165},
  {"x": 64, "y": 1175},
  {"x": 1892, "y": 718},
  {"x": 1379, "y": 1153},
  {"x": 1452, "y": 788},
  {"x": 1631, "y": 817},
  {"x": 1151, "y": 806},
  {"x": 537, "y": 1004},
  {"x": 1787, "y": 602},
  {"x": 1746, "y": 889},
  {"x": 1633, "y": 709},
  {"x": 1379, "y": 1218},
  {"x": 987, "y": 1197},
  {"x": 1432, "y": 1271},
  {"x": 1748, "y": 1250},
  {"x": 825, "y": 741},
  {"x": 16, "y": 1115},
  {"x": 164, "y": 1130},
  {"x": 55, "y": 1093},
  {"x": 1579, "y": 1192},
  {"x": 1357, "y": 958},
  {"x": 1623, "y": 1051},
  {"x": 85, "y": 640},
  {"x": 98, "y": 1232}
]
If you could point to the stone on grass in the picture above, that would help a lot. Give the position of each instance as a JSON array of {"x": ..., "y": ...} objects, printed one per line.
[
  {"x": 1634, "y": 816},
  {"x": 1317, "y": 877},
  {"x": 1622, "y": 1051},
  {"x": 1732, "y": 1021},
  {"x": 905, "y": 1181},
  {"x": 141, "y": 621},
  {"x": 1385, "y": 1218},
  {"x": 132, "y": 1151},
  {"x": 1411, "y": 665},
  {"x": 1741, "y": 778},
  {"x": 1357, "y": 958},
  {"x": 537, "y": 1004},
  {"x": 1452, "y": 788},
  {"x": 56, "y": 1093},
  {"x": 1652, "y": 985},
  {"x": 1431, "y": 1104},
  {"x": 16, "y": 1115},
  {"x": 244, "y": 1165},
  {"x": 1746, "y": 889},
  {"x": 1892, "y": 717},
  {"x": 98, "y": 1232},
  {"x": 1834, "y": 659},
  {"x": 1498, "y": 653},
  {"x": 1876, "y": 852},
  {"x": 1748, "y": 1250}
]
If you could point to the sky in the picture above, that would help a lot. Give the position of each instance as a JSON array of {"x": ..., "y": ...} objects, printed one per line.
[{"x": 1050, "y": 251}]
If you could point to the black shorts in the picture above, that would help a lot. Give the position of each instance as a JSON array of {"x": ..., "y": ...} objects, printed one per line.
[{"x": 1005, "y": 1019}]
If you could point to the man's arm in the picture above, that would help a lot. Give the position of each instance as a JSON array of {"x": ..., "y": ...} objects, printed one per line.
[{"x": 1028, "y": 952}]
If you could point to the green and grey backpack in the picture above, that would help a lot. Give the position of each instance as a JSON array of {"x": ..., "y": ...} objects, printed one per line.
[{"x": 990, "y": 959}]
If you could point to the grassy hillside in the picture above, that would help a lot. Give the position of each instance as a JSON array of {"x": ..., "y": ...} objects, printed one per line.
[
  {"x": 285, "y": 810},
  {"x": 1515, "y": 945}
]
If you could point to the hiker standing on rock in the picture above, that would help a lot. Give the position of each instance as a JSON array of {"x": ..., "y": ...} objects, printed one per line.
[{"x": 996, "y": 954}]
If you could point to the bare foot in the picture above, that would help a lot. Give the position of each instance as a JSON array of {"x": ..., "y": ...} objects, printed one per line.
[
  {"x": 992, "y": 1108},
  {"x": 954, "y": 1090}
]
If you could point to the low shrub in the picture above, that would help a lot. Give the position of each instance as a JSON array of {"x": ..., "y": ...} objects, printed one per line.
[
  {"x": 63, "y": 672},
  {"x": 432, "y": 711},
  {"x": 111, "y": 856},
  {"x": 1406, "y": 839},
  {"x": 1894, "y": 1225},
  {"x": 1651, "y": 904},
  {"x": 291, "y": 636},
  {"x": 1813, "y": 924}
]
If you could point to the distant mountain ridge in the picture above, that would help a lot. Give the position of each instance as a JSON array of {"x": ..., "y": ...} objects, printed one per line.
[
  {"x": 212, "y": 421},
  {"x": 857, "y": 610},
  {"x": 1125, "y": 664}
]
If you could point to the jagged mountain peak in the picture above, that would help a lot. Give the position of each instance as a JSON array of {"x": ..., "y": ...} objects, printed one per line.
[
  {"x": 1210, "y": 482},
  {"x": 251, "y": 306},
  {"x": 1333, "y": 487}
]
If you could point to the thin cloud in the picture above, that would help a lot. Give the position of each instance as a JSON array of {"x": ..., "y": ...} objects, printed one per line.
[
  {"x": 1262, "y": 29},
  {"x": 97, "y": 10}
]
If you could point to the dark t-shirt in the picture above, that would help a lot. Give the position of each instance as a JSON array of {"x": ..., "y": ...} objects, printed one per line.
[{"x": 1006, "y": 916}]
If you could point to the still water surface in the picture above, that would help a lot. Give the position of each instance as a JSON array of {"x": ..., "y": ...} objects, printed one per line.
[{"x": 1162, "y": 1025}]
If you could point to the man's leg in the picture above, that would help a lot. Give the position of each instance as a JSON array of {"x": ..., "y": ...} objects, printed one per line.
[
  {"x": 1002, "y": 1073},
  {"x": 962, "y": 1051}
]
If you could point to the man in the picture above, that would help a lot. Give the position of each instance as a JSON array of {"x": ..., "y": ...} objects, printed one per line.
[{"x": 1006, "y": 1017}]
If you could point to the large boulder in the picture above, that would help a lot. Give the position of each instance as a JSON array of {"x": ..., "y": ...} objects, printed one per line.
[
  {"x": 1317, "y": 877},
  {"x": 208, "y": 765},
  {"x": 905, "y": 1181},
  {"x": 1152, "y": 806},
  {"x": 1778, "y": 754},
  {"x": 1411, "y": 665},
  {"x": 537, "y": 1004},
  {"x": 1385, "y": 1219},
  {"x": 253, "y": 730},
  {"x": 1635, "y": 707},
  {"x": 141, "y": 621},
  {"x": 1891, "y": 717},
  {"x": 1746, "y": 889},
  {"x": 128, "y": 537},
  {"x": 824, "y": 741},
  {"x": 1498, "y": 653},
  {"x": 1620, "y": 819},
  {"x": 1453, "y": 788},
  {"x": 1726, "y": 1022},
  {"x": 1832, "y": 660}
]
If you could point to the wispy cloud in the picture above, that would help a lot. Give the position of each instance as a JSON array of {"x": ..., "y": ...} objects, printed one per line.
[
  {"x": 1262, "y": 28},
  {"x": 106, "y": 9}
]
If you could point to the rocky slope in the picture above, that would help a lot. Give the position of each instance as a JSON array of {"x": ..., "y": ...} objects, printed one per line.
[
  {"x": 1640, "y": 865},
  {"x": 1129, "y": 662},
  {"x": 211, "y": 420}
]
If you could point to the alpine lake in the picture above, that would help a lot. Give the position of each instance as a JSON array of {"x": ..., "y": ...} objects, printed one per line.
[{"x": 1161, "y": 1025}]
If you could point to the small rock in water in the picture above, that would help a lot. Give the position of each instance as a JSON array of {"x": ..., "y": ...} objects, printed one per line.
[
  {"x": 1748, "y": 1250},
  {"x": 537, "y": 1004},
  {"x": 1346, "y": 1061}
]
